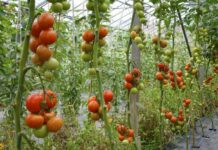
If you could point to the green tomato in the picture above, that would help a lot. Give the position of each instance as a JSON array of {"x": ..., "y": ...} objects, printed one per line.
[
  {"x": 41, "y": 132},
  {"x": 48, "y": 75},
  {"x": 178, "y": 128},
  {"x": 140, "y": 46},
  {"x": 125, "y": 141},
  {"x": 100, "y": 60},
  {"x": 140, "y": 86},
  {"x": 90, "y": 5},
  {"x": 134, "y": 90},
  {"x": 66, "y": 5},
  {"x": 143, "y": 20},
  {"x": 101, "y": 1},
  {"x": 137, "y": 28},
  {"x": 57, "y": 7},
  {"x": 86, "y": 57},
  {"x": 140, "y": 14},
  {"x": 138, "y": 6},
  {"x": 181, "y": 123},
  {"x": 103, "y": 7},
  {"x": 92, "y": 71},
  {"x": 168, "y": 53},
  {"x": 52, "y": 1},
  {"x": 51, "y": 64},
  {"x": 138, "y": 40}
]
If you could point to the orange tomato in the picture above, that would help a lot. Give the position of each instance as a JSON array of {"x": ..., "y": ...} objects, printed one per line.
[
  {"x": 103, "y": 31},
  {"x": 34, "y": 121},
  {"x": 43, "y": 52},
  {"x": 46, "y": 20},
  {"x": 54, "y": 124}
]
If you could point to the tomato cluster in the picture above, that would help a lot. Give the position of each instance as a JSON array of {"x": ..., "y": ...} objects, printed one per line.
[
  {"x": 103, "y": 5},
  {"x": 88, "y": 42},
  {"x": 41, "y": 117},
  {"x": 140, "y": 11},
  {"x": 162, "y": 74},
  {"x": 125, "y": 134},
  {"x": 163, "y": 43},
  {"x": 179, "y": 79},
  {"x": 197, "y": 55},
  {"x": 138, "y": 37},
  {"x": 42, "y": 36},
  {"x": 132, "y": 81},
  {"x": 178, "y": 122},
  {"x": 59, "y": 5},
  {"x": 94, "y": 105}
]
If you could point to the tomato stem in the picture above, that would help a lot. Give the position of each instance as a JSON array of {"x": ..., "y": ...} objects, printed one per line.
[{"x": 21, "y": 78}]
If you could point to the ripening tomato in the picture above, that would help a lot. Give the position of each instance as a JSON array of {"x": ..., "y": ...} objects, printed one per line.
[
  {"x": 187, "y": 101},
  {"x": 95, "y": 116},
  {"x": 88, "y": 36},
  {"x": 128, "y": 85},
  {"x": 172, "y": 78},
  {"x": 34, "y": 121},
  {"x": 129, "y": 139},
  {"x": 34, "y": 43},
  {"x": 163, "y": 43},
  {"x": 179, "y": 79},
  {"x": 43, "y": 52},
  {"x": 130, "y": 132},
  {"x": 129, "y": 77},
  {"x": 48, "y": 116},
  {"x": 173, "y": 119},
  {"x": 108, "y": 96},
  {"x": 51, "y": 99},
  {"x": 35, "y": 59},
  {"x": 180, "y": 111},
  {"x": 92, "y": 98},
  {"x": 54, "y": 124},
  {"x": 179, "y": 73},
  {"x": 121, "y": 137},
  {"x": 46, "y": 20},
  {"x": 133, "y": 34},
  {"x": 103, "y": 31},
  {"x": 154, "y": 39},
  {"x": 159, "y": 76},
  {"x": 166, "y": 69},
  {"x": 33, "y": 102},
  {"x": 173, "y": 84},
  {"x": 93, "y": 106},
  {"x": 48, "y": 36},
  {"x": 35, "y": 30}
]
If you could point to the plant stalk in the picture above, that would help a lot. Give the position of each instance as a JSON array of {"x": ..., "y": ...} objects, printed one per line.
[{"x": 21, "y": 78}]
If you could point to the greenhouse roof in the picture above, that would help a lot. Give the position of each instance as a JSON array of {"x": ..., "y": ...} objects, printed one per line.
[{"x": 120, "y": 12}]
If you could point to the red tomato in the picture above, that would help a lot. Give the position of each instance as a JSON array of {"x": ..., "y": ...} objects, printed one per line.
[
  {"x": 166, "y": 69},
  {"x": 34, "y": 121},
  {"x": 46, "y": 20},
  {"x": 34, "y": 43},
  {"x": 180, "y": 118},
  {"x": 35, "y": 30},
  {"x": 179, "y": 73},
  {"x": 33, "y": 102},
  {"x": 54, "y": 124},
  {"x": 103, "y": 31},
  {"x": 93, "y": 106},
  {"x": 159, "y": 76},
  {"x": 173, "y": 84},
  {"x": 35, "y": 59},
  {"x": 88, "y": 36},
  {"x": 121, "y": 129},
  {"x": 48, "y": 36},
  {"x": 130, "y": 132},
  {"x": 108, "y": 106},
  {"x": 128, "y": 85},
  {"x": 187, "y": 101},
  {"x": 171, "y": 73},
  {"x": 108, "y": 96},
  {"x": 179, "y": 79},
  {"x": 51, "y": 99},
  {"x": 43, "y": 52},
  {"x": 173, "y": 119},
  {"x": 121, "y": 137},
  {"x": 136, "y": 72},
  {"x": 168, "y": 115},
  {"x": 180, "y": 111},
  {"x": 172, "y": 78},
  {"x": 129, "y": 77},
  {"x": 160, "y": 66}
]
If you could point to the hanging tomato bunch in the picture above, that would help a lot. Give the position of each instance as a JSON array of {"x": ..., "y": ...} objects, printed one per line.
[
  {"x": 162, "y": 74},
  {"x": 59, "y": 5},
  {"x": 88, "y": 42},
  {"x": 132, "y": 81},
  {"x": 140, "y": 11},
  {"x": 138, "y": 37},
  {"x": 41, "y": 117},
  {"x": 125, "y": 134},
  {"x": 94, "y": 106},
  {"x": 43, "y": 35}
]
